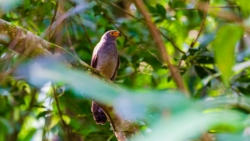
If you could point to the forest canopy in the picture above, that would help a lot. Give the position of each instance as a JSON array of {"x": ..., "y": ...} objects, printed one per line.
[{"x": 183, "y": 75}]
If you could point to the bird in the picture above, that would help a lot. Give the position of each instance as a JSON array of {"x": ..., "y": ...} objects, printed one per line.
[{"x": 106, "y": 60}]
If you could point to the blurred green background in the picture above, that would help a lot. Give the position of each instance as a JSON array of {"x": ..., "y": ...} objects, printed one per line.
[{"x": 210, "y": 47}]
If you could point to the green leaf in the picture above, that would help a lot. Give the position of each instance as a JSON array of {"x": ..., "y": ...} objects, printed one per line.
[
  {"x": 243, "y": 78},
  {"x": 5, "y": 126},
  {"x": 66, "y": 119},
  {"x": 224, "y": 46},
  {"x": 205, "y": 59},
  {"x": 161, "y": 10},
  {"x": 245, "y": 7},
  {"x": 243, "y": 90},
  {"x": 42, "y": 114},
  {"x": 204, "y": 72},
  {"x": 30, "y": 134},
  {"x": 55, "y": 120},
  {"x": 26, "y": 4},
  {"x": 192, "y": 51},
  {"x": 206, "y": 39},
  {"x": 201, "y": 72},
  {"x": 152, "y": 9}
]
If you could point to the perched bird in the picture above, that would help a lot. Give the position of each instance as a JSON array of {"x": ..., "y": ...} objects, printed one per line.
[{"x": 106, "y": 60}]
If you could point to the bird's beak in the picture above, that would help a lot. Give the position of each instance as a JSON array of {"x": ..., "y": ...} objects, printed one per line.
[{"x": 119, "y": 34}]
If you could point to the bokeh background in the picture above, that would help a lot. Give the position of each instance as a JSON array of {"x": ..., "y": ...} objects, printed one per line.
[{"x": 207, "y": 40}]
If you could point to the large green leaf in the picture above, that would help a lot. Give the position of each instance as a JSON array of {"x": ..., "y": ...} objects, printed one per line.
[
  {"x": 245, "y": 7},
  {"x": 224, "y": 49},
  {"x": 45, "y": 70}
]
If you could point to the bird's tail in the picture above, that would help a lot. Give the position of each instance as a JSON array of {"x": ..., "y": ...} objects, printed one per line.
[{"x": 98, "y": 114}]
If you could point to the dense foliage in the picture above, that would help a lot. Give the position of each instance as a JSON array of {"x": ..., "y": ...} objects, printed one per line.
[{"x": 207, "y": 40}]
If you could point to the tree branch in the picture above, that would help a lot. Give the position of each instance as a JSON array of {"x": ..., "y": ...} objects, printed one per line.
[
  {"x": 161, "y": 47},
  {"x": 60, "y": 113},
  {"x": 21, "y": 40},
  {"x": 165, "y": 36},
  {"x": 202, "y": 23}
]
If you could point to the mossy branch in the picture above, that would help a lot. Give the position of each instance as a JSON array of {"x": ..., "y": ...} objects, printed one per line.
[{"x": 32, "y": 46}]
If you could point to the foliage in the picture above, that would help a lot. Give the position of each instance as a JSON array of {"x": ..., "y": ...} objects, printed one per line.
[{"x": 210, "y": 46}]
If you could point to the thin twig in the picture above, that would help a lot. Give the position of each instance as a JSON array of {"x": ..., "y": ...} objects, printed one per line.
[
  {"x": 126, "y": 12},
  {"x": 61, "y": 19},
  {"x": 160, "y": 44},
  {"x": 69, "y": 40},
  {"x": 85, "y": 31},
  {"x": 202, "y": 23},
  {"x": 60, "y": 113},
  {"x": 141, "y": 20},
  {"x": 172, "y": 42},
  {"x": 13, "y": 45},
  {"x": 53, "y": 20},
  {"x": 123, "y": 34}
]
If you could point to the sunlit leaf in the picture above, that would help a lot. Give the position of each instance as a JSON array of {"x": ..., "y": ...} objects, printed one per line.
[
  {"x": 224, "y": 49},
  {"x": 66, "y": 119},
  {"x": 30, "y": 134},
  {"x": 245, "y": 6},
  {"x": 54, "y": 121}
]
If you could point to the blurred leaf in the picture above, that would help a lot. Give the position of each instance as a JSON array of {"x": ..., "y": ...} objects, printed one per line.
[
  {"x": 29, "y": 135},
  {"x": 206, "y": 39},
  {"x": 165, "y": 113},
  {"x": 243, "y": 79},
  {"x": 244, "y": 90},
  {"x": 152, "y": 9},
  {"x": 241, "y": 66},
  {"x": 66, "y": 119},
  {"x": 55, "y": 120},
  {"x": 192, "y": 51},
  {"x": 26, "y": 4},
  {"x": 202, "y": 73},
  {"x": 245, "y": 6},
  {"x": 4, "y": 92},
  {"x": 42, "y": 114},
  {"x": 45, "y": 70},
  {"x": 231, "y": 137},
  {"x": 5, "y": 126},
  {"x": 224, "y": 49},
  {"x": 170, "y": 129},
  {"x": 205, "y": 59},
  {"x": 161, "y": 10}
]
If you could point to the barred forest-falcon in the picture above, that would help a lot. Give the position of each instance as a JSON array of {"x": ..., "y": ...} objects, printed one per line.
[{"x": 106, "y": 60}]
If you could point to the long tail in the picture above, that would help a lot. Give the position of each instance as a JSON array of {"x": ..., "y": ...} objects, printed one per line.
[{"x": 98, "y": 114}]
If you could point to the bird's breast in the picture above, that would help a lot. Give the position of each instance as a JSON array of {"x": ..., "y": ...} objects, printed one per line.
[{"x": 107, "y": 60}]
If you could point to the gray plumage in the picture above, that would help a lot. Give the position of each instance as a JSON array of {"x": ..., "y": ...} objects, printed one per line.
[{"x": 106, "y": 60}]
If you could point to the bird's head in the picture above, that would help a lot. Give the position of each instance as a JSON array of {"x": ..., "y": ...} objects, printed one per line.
[{"x": 111, "y": 35}]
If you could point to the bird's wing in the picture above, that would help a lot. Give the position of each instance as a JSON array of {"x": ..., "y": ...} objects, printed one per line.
[
  {"x": 116, "y": 68},
  {"x": 94, "y": 61},
  {"x": 94, "y": 56}
]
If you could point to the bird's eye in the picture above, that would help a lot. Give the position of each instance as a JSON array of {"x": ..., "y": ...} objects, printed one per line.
[{"x": 112, "y": 33}]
